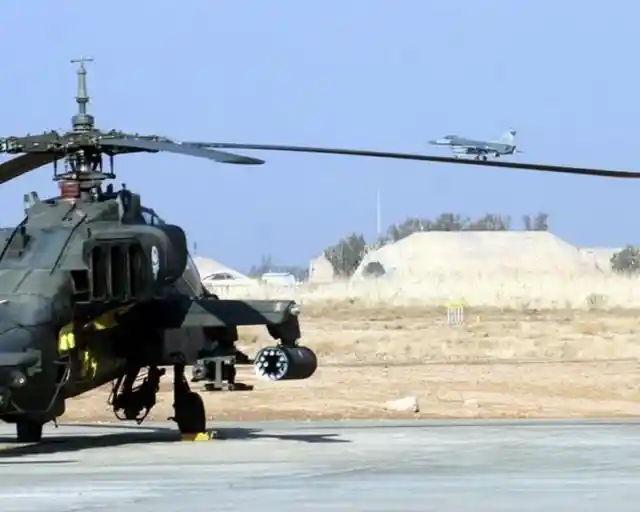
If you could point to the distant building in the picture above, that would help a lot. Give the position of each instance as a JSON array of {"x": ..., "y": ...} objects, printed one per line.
[
  {"x": 210, "y": 269},
  {"x": 219, "y": 278}
]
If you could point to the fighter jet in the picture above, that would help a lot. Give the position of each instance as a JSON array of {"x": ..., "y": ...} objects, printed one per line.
[{"x": 461, "y": 146}]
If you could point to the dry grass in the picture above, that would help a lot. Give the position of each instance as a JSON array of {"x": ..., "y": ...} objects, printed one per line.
[
  {"x": 500, "y": 363},
  {"x": 519, "y": 291},
  {"x": 348, "y": 334}
]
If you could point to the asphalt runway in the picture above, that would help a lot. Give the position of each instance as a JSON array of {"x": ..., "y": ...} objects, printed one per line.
[{"x": 355, "y": 466}]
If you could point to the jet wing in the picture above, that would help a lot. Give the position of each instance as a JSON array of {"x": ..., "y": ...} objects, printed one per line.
[
  {"x": 460, "y": 141},
  {"x": 466, "y": 143}
]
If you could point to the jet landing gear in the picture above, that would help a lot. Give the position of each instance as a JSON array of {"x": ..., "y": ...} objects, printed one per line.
[{"x": 190, "y": 415}]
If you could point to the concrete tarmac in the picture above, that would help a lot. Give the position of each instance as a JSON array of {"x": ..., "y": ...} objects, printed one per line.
[{"x": 344, "y": 466}]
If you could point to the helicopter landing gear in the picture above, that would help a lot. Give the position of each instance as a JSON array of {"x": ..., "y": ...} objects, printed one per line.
[
  {"x": 29, "y": 430},
  {"x": 190, "y": 414}
]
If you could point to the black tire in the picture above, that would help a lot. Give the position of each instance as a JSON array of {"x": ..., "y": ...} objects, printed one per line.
[
  {"x": 191, "y": 416},
  {"x": 29, "y": 431}
]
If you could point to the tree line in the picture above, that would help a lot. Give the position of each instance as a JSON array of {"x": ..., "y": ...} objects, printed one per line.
[{"x": 346, "y": 255}]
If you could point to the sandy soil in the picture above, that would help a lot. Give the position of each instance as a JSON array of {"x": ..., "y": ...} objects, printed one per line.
[{"x": 498, "y": 364}]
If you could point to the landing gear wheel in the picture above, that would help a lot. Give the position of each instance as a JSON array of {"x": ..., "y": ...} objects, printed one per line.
[
  {"x": 29, "y": 431},
  {"x": 189, "y": 408},
  {"x": 190, "y": 414}
]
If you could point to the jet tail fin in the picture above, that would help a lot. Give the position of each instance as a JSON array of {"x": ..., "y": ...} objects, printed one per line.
[{"x": 509, "y": 137}]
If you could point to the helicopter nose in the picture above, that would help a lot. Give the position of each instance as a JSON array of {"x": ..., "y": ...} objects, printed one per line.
[
  {"x": 18, "y": 362},
  {"x": 17, "y": 356},
  {"x": 23, "y": 326}
]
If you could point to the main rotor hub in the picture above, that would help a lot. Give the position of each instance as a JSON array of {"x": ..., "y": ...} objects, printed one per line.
[{"x": 83, "y": 147}]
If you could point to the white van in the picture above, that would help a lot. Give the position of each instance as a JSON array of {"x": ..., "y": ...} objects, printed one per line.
[{"x": 279, "y": 278}]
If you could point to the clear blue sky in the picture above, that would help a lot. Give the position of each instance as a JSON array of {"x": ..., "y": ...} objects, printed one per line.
[{"x": 377, "y": 74}]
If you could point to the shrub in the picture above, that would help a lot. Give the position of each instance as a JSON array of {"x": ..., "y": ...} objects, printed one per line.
[{"x": 627, "y": 261}]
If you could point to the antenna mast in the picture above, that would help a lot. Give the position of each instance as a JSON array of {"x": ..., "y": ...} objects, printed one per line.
[{"x": 82, "y": 122}]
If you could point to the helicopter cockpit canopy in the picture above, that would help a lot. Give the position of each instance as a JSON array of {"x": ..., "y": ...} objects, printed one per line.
[{"x": 151, "y": 217}]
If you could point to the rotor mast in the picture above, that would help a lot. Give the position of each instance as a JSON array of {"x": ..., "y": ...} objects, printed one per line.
[
  {"x": 82, "y": 121},
  {"x": 85, "y": 164}
]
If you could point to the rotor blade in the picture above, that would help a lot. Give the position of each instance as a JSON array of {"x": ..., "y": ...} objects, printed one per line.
[
  {"x": 23, "y": 164},
  {"x": 424, "y": 158},
  {"x": 180, "y": 148}
]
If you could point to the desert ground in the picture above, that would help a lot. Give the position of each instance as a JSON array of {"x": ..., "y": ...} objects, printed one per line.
[{"x": 496, "y": 364}]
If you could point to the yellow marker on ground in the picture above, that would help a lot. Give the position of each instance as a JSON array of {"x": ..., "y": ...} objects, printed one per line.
[{"x": 198, "y": 436}]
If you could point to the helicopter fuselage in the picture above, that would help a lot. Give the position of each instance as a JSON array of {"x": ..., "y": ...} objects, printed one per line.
[{"x": 101, "y": 289}]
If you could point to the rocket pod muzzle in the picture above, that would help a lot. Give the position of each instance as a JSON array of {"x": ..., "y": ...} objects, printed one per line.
[{"x": 285, "y": 363}]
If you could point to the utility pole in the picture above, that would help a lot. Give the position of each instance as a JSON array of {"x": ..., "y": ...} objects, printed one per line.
[{"x": 378, "y": 215}]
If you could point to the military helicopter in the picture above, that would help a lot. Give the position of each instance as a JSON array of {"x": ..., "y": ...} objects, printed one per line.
[{"x": 95, "y": 287}]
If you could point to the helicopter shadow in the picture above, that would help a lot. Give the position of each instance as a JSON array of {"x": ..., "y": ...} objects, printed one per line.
[
  {"x": 229, "y": 433},
  {"x": 234, "y": 433},
  {"x": 142, "y": 435},
  {"x": 75, "y": 443}
]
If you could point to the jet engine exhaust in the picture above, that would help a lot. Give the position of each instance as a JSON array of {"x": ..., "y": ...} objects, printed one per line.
[{"x": 285, "y": 363}]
